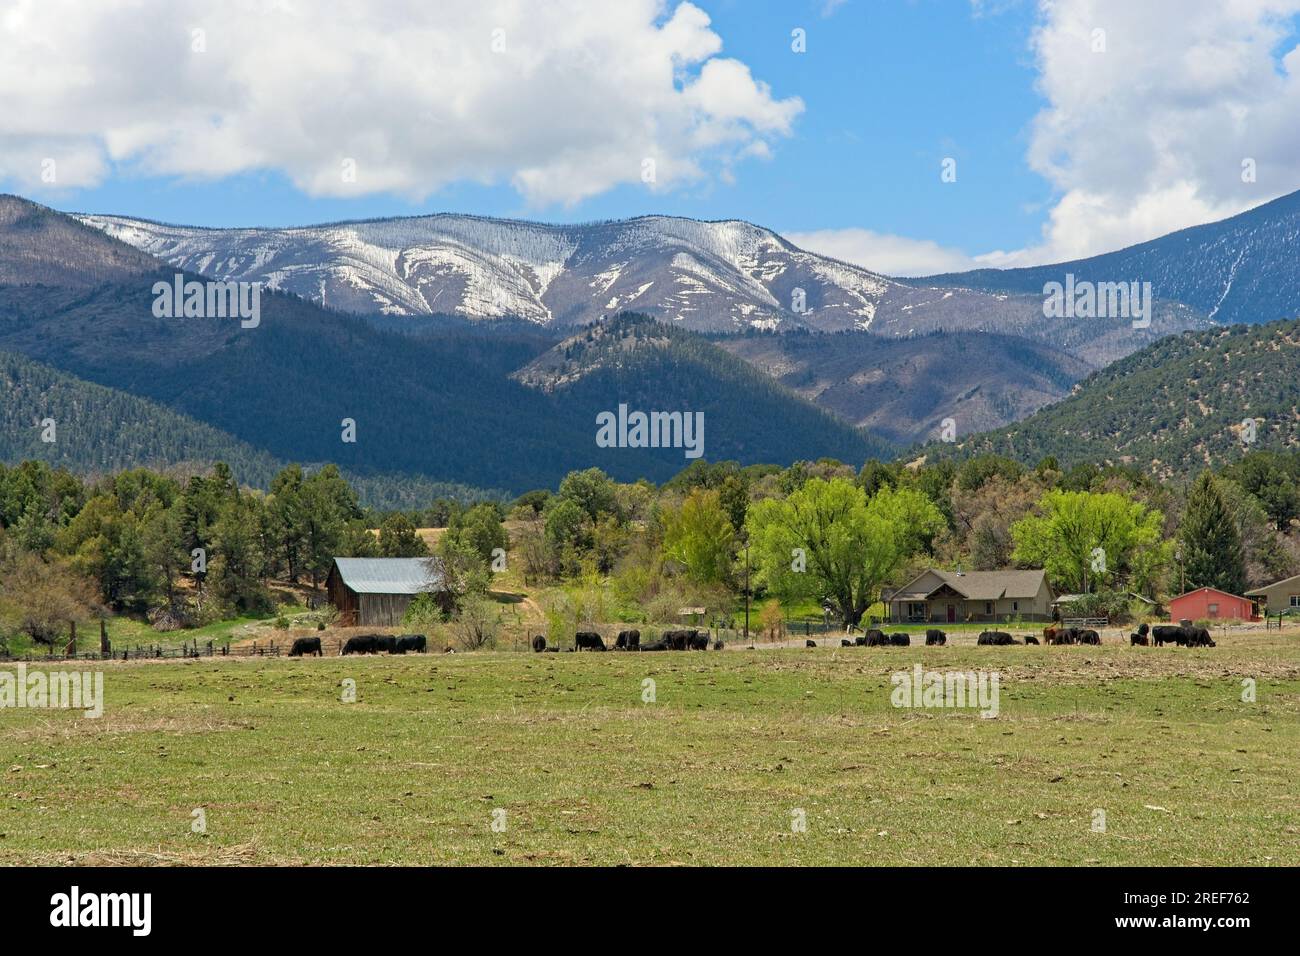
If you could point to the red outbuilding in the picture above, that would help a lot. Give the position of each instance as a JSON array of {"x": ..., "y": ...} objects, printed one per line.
[{"x": 1214, "y": 605}]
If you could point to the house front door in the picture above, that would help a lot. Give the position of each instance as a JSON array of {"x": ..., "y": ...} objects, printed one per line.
[{"x": 952, "y": 613}]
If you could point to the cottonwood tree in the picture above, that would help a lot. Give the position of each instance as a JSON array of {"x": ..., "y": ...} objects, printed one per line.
[
  {"x": 1064, "y": 536},
  {"x": 829, "y": 541},
  {"x": 699, "y": 536}
]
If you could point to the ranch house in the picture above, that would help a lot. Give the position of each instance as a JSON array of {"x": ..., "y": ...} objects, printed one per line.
[
  {"x": 377, "y": 591},
  {"x": 938, "y": 597},
  {"x": 1280, "y": 597}
]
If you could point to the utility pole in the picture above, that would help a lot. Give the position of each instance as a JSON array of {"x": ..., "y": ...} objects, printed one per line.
[{"x": 746, "y": 590}]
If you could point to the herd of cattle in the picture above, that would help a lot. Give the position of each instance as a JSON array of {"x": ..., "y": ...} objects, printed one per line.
[
  {"x": 686, "y": 639},
  {"x": 692, "y": 639},
  {"x": 364, "y": 644},
  {"x": 1184, "y": 635}
]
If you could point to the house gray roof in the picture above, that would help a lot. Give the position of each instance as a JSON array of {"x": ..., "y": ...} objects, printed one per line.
[
  {"x": 1263, "y": 591},
  {"x": 976, "y": 585},
  {"x": 388, "y": 575}
]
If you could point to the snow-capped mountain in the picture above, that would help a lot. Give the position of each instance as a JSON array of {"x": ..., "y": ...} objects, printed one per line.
[{"x": 709, "y": 276}]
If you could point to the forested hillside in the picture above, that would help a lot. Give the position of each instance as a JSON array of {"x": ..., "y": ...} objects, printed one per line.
[{"x": 1170, "y": 409}]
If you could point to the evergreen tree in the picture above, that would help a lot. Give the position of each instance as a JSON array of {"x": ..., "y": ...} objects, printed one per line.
[{"x": 1212, "y": 553}]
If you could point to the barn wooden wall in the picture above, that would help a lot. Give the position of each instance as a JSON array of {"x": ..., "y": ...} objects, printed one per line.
[{"x": 383, "y": 610}]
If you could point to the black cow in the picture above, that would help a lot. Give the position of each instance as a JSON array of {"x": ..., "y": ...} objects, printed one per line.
[
  {"x": 659, "y": 645},
  {"x": 306, "y": 645},
  {"x": 845, "y": 642},
  {"x": 1139, "y": 637},
  {"x": 900, "y": 640},
  {"x": 539, "y": 644},
  {"x": 1089, "y": 637},
  {"x": 385, "y": 643},
  {"x": 1163, "y": 634},
  {"x": 362, "y": 644},
  {"x": 935, "y": 638},
  {"x": 995, "y": 638},
  {"x": 627, "y": 641},
  {"x": 875, "y": 638},
  {"x": 588, "y": 641},
  {"x": 860, "y": 641},
  {"x": 718, "y": 645},
  {"x": 809, "y": 643},
  {"x": 411, "y": 642},
  {"x": 1030, "y": 639},
  {"x": 1200, "y": 637},
  {"x": 698, "y": 641}
]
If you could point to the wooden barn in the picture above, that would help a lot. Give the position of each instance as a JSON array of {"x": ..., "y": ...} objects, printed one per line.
[{"x": 377, "y": 591}]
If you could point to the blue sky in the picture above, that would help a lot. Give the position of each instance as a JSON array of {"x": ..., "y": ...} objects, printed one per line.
[{"x": 1055, "y": 154}]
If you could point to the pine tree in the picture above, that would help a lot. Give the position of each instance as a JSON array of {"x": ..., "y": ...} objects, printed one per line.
[{"x": 1211, "y": 544}]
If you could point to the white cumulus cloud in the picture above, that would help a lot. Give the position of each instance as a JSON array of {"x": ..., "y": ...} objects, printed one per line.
[
  {"x": 564, "y": 99},
  {"x": 884, "y": 253},
  {"x": 1152, "y": 109}
]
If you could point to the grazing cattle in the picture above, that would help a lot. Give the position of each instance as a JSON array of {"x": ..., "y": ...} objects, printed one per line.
[
  {"x": 875, "y": 638},
  {"x": 860, "y": 641},
  {"x": 627, "y": 641},
  {"x": 305, "y": 645},
  {"x": 1199, "y": 637},
  {"x": 362, "y": 644},
  {"x": 845, "y": 642},
  {"x": 1163, "y": 634},
  {"x": 809, "y": 643},
  {"x": 718, "y": 645},
  {"x": 996, "y": 638},
  {"x": 1139, "y": 637},
  {"x": 935, "y": 637},
  {"x": 385, "y": 643},
  {"x": 588, "y": 641},
  {"x": 1061, "y": 635},
  {"x": 411, "y": 642},
  {"x": 1030, "y": 639},
  {"x": 700, "y": 642},
  {"x": 900, "y": 640},
  {"x": 539, "y": 643},
  {"x": 1089, "y": 637},
  {"x": 659, "y": 645}
]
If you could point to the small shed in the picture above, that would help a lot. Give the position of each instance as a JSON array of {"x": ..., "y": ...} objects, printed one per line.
[
  {"x": 377, "y": 591},
  {"x": 1214, "y": 605}
]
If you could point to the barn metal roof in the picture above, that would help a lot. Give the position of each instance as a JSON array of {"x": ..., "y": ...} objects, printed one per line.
[{"x": 388, "y": 575}]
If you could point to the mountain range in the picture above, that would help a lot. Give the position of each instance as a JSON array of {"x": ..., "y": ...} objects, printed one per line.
[{"x": 425, "y": 407}]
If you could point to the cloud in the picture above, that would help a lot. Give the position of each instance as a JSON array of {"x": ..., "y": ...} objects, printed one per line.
[
  {"x": 890, "y": 255},
  {"x": 1148, "y": 123},
  {"x": 565, "y": 99}
]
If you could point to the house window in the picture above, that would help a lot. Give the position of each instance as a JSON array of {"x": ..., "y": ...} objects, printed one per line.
[
  {"x": 1015, "y": 605},
  {"x": 915, "y": 610},
  {"x": 1295, "y": 600},
  {"x": 988, "y": 607},
  {"x": 1214, "y": 610}
]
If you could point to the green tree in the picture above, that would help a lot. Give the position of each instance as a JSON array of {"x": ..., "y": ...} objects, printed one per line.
[
  {"x": 1212, "y": 553},
  {"x": 699, "y": 535},
  {"x": 830, "y": 541},
  {"x": 397, "y": 538},
  {"x": 1084, "y": 539}
]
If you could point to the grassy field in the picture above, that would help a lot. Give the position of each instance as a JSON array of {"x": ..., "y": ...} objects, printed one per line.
[{"x": 714, "y": 771}]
